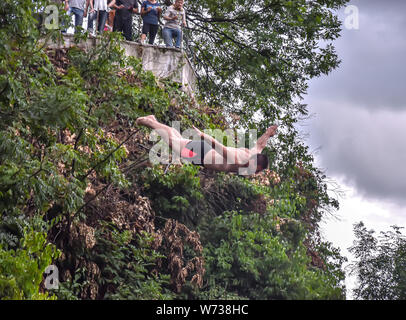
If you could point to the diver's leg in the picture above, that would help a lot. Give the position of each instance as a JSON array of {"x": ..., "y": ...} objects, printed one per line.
[{"x": 170, "y": 135}]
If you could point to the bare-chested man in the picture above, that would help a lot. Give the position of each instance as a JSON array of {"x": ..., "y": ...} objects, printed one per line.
[{"x": 209, "y": 152}]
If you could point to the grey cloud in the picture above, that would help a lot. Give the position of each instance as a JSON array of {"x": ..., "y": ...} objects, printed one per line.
[
  {"x": 367, "y": 148},
  {"x": 360, "y": 108},
  {"x": 373, "y": 69}
]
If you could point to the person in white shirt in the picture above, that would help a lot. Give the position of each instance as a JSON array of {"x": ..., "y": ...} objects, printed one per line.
[
  {"x": 175, "y": 17},
  {"x": 100, "y": 9}
]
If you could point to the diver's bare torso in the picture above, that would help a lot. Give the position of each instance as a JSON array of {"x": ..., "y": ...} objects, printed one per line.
[{"x": 238, "y": 158}]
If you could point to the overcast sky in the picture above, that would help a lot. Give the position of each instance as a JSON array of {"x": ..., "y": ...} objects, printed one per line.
[{"x": 359, "y": 120}]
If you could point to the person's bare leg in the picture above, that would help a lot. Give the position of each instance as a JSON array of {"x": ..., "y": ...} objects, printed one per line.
[
  {"x": 151, "y": 122},
  {"x": 170, "y": 135}
]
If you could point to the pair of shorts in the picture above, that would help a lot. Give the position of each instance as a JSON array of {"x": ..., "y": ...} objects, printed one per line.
[
  {"x": 151, "y": 29},
  {"x": 195, "y": 151},
  {"x": 123, "y": 24}
]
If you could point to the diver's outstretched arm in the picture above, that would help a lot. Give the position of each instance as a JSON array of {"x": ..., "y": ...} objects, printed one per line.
[{"x": 262, "y": 141}]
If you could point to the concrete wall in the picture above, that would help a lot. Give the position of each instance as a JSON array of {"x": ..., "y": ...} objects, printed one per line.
[{"x": 164, "y": 63}]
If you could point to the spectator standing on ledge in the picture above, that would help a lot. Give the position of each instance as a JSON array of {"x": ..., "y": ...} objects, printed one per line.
[
  {"x": 77, "y": 8},
  {"x": 100, "y": 9},
  {"x": 91, "y": 17},
  {"x": 150, "y": 12},
  {"x": 110, "y": 19},
  {"x": 175, "y": 17},
  {"x": 123, "y": 19}
]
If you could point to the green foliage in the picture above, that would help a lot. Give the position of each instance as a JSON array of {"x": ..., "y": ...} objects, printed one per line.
[
  {"x": 126, "y": 266},
  {"x": 176, "y": 193},
  {"x": 333, "y": 264},
  {"x": 248, "y": 257},
  {"x": 21, "y": 270},
  {"x": 71, "y": 289},
  {"x": 52, "y": 115},
  {"x": 258, "y": 56},
  {"x": 245, "y": 256},
  {"x": 380, "y": 264},
  {"x": 39, "y": 106},
  {"x": 231, "y": 193}
]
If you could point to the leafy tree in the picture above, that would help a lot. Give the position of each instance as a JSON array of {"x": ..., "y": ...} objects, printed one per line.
[
  {"x": 21, "y": 269},
  {"x": 256, "y": 56},
  {"x": 249, "y": 258},
  {"x": 260, "y": 248},
  {"x": 380, "y": 264},
  {"x": 125, "y": 266},
  {"x": 54, "y": 106},
  {"x": 175, "y": 193}
]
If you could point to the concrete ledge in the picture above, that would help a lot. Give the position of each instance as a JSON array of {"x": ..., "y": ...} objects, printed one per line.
[{"x": 164, "y": 63}]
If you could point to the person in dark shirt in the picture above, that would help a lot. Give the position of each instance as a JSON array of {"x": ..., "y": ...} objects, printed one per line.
[
  {"x": 123, "y": 17},
  {"x": 150, "y": 12}
]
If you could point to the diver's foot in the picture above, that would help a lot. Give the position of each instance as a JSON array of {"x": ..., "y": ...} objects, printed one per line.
[
  {"x": 141, "y": 120},
  {"x": 151, "y": 117},
  {"x": 146, "y": 121}
]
